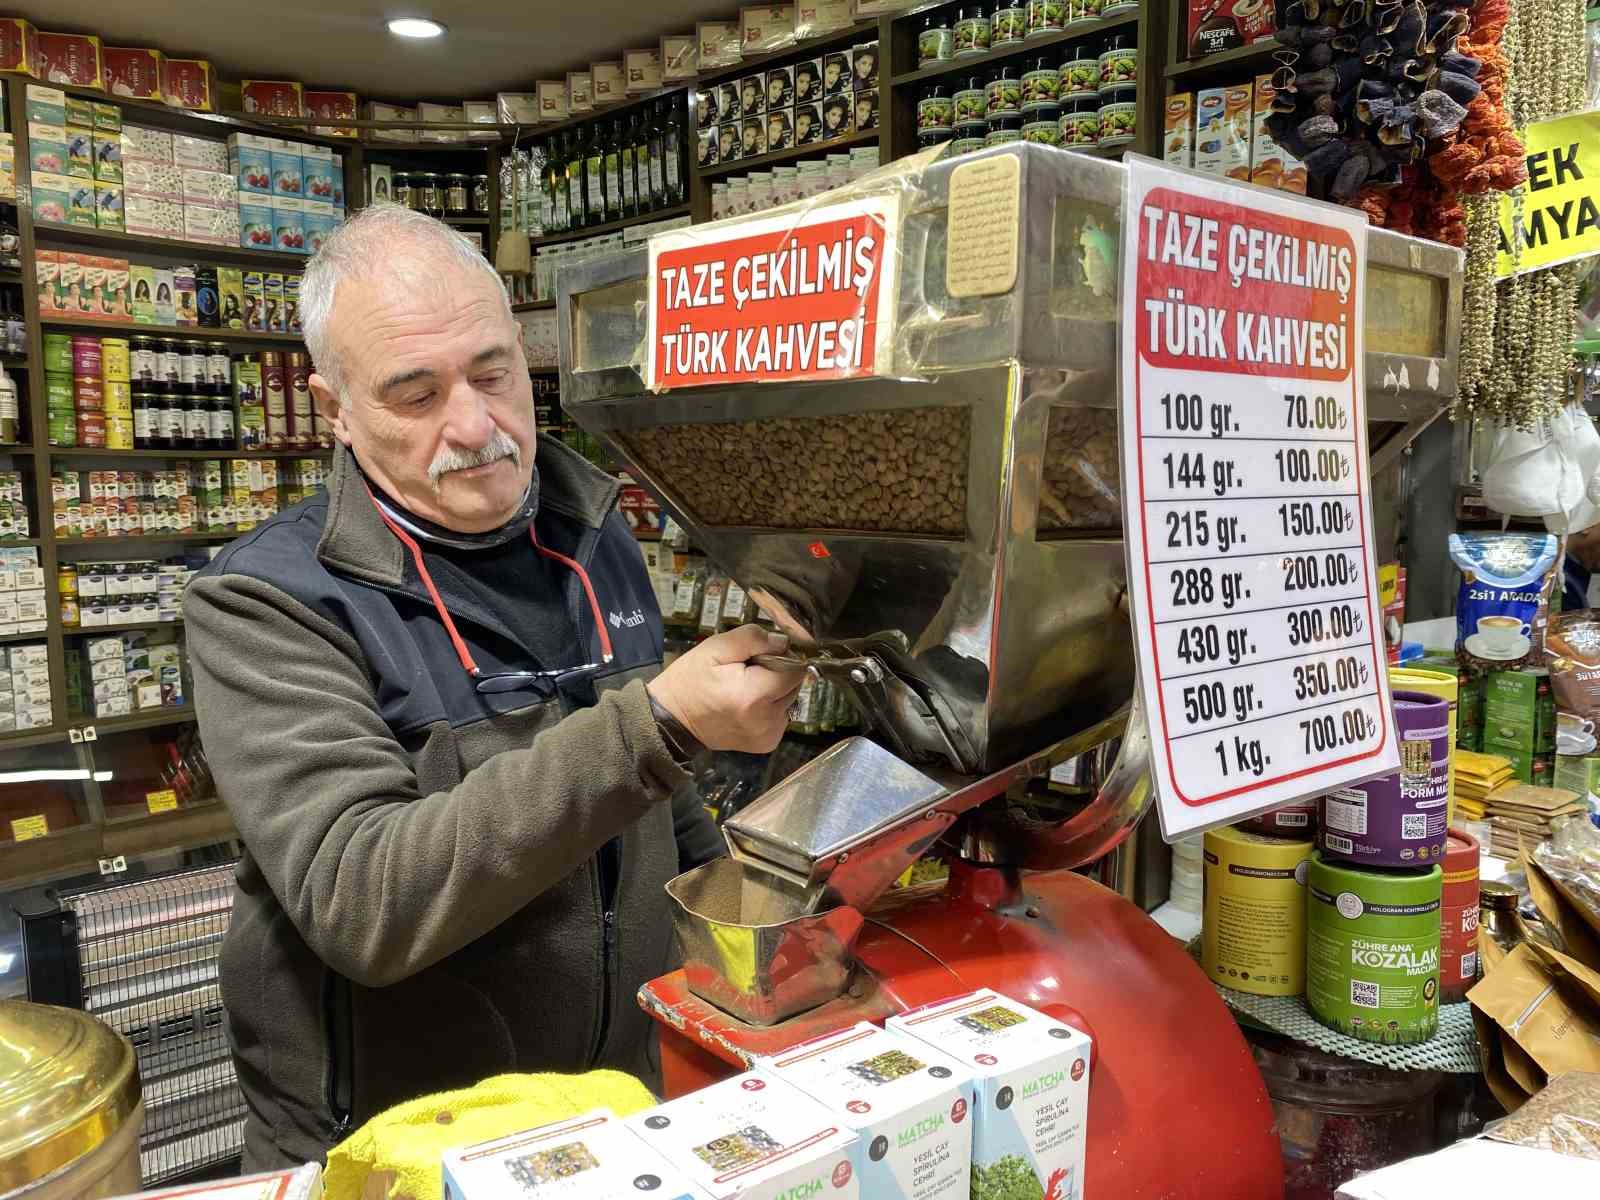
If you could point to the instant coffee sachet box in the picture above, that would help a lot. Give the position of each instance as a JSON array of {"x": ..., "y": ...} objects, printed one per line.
[
  {"x": 1032, "y": 1075},
  {"x": 910, "y": 1106},
  {"x": 589, "y": 1157},
  {"x": 754, "y": 1137}
]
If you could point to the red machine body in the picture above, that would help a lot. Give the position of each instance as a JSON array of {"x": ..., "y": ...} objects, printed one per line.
[{"x": 1177, "y": 1109}]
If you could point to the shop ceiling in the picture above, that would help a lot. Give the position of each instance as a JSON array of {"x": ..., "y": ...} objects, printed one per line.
[{"x": 492, "y": 45}]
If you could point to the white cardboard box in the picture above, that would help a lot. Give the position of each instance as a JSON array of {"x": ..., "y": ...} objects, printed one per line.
[
  {"x": 753, "y": 1137},
  {"x": 911, "y": 1107},
  {"x": 1032, "y": 1079},
  {"x": 588, "y": 1157}
]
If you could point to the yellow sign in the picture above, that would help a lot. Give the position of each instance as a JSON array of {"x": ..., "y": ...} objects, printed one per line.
[
  {"x": 27, "y": 828},
  {"x": 1560, "y": 219},
  {"x": 163, "y": 801}
]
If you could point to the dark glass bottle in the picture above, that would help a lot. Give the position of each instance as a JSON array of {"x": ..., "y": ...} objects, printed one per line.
[
  {"x": 594, "y": 192},
  {"x": 556, "y": 171},
  {"x": 612, "y": 138},
  {"x": 672, "y": 147},
  {"x": 639, "y": 130},
  {"x": 573, "y": 159},
  {"x": 630, "y": 178},
  {"x": 144, "y": 420},
  {"x": 196, "y": 422},
  {"x": 220, "y": 416},
  {"x": 169, "y": 420},
  {"x": 658, "y": 167}
]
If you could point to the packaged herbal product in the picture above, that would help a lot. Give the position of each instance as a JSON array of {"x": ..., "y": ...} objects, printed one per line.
[{"x": 1032, "y": 1076}]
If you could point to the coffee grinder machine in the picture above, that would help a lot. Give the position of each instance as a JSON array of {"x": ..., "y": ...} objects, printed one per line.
[{"x": 943, "y": 542}]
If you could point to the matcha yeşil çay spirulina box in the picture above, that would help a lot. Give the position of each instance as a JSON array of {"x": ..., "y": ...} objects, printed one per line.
[
  {"x": 909, "y": 1105},
  {"x": 1032, "y": 1087}
]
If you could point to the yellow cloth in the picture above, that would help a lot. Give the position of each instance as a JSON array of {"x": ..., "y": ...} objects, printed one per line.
[{"x": 396, "y": 1154}]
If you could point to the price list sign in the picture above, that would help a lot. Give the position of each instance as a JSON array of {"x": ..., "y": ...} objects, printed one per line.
[{"x": 1245, "y": 497}]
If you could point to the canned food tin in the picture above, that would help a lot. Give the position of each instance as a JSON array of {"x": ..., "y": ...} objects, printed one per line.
[
  {"x": 1119, "y": 62},
  {"x": 1252, "y": 937},
  {"x": 966, "y": 145},
  {"x": 1117, "y": 7},
  {"x": 1398, "y": 820},
  {"x": 114, "y": 362},
  {"x": 1080, "y": 72},
  {"x": 1003, "y": 93},
  {"x": 58, "y": 353},
  {"x": 1041, "y": 83},
  {"x": 1292, "y": 820},
  {"x": 1458, "y": 918},
  {"x": 1372, "y": 951},
  {"x": 936, "y": 109},
  {"x": 1004, "y": 129},
  {"x": 1118, "y": 123},
  {"x": 119, "y": 433},
  {"x": 118, "y": 399},
  {"x": 1080, "y": 12},
  {"x": 1042, "y": 125},
  {"x": 86, "y": 357},
  {"x": 972, "y": 102},
  {"x": 91, "y": 429},
  {"x": 58, "y": 391},
  {"x": 1009, "y": 24},
  {"x": 1080, "y": 122},
  {"x": 935, "y": 43},
  {"x": 1046, "y": 16},
  {"x": 144, "y": 361},
  {"x": 88, "y": 395},
  {"x": 972, "y": 30}
]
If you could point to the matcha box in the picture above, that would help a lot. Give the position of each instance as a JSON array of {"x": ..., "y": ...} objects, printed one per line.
[
  {"x": 910, "y": 1106},
  {"x": 1032, "y": 1086},
  {"x": 1510, "y": 712}
]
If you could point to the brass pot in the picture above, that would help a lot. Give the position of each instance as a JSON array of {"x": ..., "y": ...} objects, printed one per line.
[{"x": 70, "y": 1108}]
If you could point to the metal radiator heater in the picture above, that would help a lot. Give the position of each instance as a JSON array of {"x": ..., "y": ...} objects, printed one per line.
[{"x": 143, "y": 958}]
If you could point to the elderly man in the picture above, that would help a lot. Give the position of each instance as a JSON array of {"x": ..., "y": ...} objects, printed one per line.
[{"x": 433, "y": 703}]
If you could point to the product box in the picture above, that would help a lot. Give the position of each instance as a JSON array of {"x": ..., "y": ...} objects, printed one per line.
[
  {"x": 1032, "y": 1076},
  {"x": 209, "y": 187},
  {"x": 730, "y": 105},
  {"x": 166, "y": 297},
  {"x": 273, "y": 97},
  {"x": 206, "y": 154},
  {"x": 580, "y": 92},
  {"x": 707, "y": 150},
  {"x": 81, "y": 208},
  {"x": 142, "y": 293},
  {"x": 47, "y": 277},
  {"x": 588, "y": 1157},
  {"x": 643, "y": 71},
  {"x": 780, "y": 129},
  {"x": 189, "y": 83},
  {"x": 864, "y": 66},
  {"x": 1511, "y": 711},
  {"x": 151, "y": 215},
  {"x": 316, "y": 174},
  {"x": 836, "y": 72},
  {"x": 47, "y": 149},
  {"x": 1177, "y": 139},
  {"x": 480, "y": 112},
  {"x": 680, "y": 57},
  {"x": 288, "y": 225},
  {"x": 80, "y": 150},
  {"x": 276, "y": 320},
  {"x": 780, "y": 87},
  {"x": 910, "y": 1107},
  {"x": 141, "y": 144},
  {"x": 287, "y": 172},
  {"x": 1270, "y": 164},
  {"x": 705, "y": 107},
  {"x": 80, "y": 111},
  {"x": 214, "y": 224},
  {"x": 428, "y": 114},
  {"x": 552, "y": 95},
  {"x": 331, "y": 106},
  {"x": 46, "y": 105},
  {"x": 250, "y": 161},
  {"x": 133, "y": 71},
  {"x": 1224, "y": 24},
  {"x": 154, "y": 181},
  {"x": 764, "y": 28},
  {"x": 109, "y": 207},
  {"x": 52, "y": 198},
  {"x": 19, "y": 47},
  {"x": 320, "y": 222},
  {"x": 107, "y": 157},
  {"x": 517, "y": 108},
  {"x": 184, "y": 302},
  {"x": 753, "y": 1137},
  {"x": 71, "y": 58},
  {"x": 380, "y": 183},
  {"x": 609, "y": 83},
  {"x": 1222, "y": 132},
  {"x": 253, "y": 285},
  {"x": 230, "y": 297},
  {"x": 719, "y": 44},
  {"x": 808, "y": 81},
  {"x": 376, "y": 111},
  {"x": 866, "y": 110},
  {"x": 752, "y": 95},
  {"x": 754, "y": 137}
]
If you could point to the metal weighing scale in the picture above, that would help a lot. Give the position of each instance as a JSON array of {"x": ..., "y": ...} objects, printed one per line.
[{"x": 978, "y": 623}]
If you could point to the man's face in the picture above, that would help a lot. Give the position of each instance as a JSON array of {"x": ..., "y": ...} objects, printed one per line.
[{"x": 434, "y": 374}]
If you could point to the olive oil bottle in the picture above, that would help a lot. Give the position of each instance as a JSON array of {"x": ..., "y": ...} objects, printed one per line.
[
  {"x": 594, "y": 192},
  {"x": 630, "y": 177},
  {"x": 613, "y": 160},
  {"x": 658, "y": 178}
]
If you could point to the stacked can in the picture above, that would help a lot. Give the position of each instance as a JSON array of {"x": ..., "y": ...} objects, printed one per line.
[
  {"x": 1458, "y": 918},
  {"x": 302, "y": 429},
  {"x": 88, "y": 391},
  {"x": 116, "y": 374},
  {"x": 63, "y": 430},
  {"x": 275, "y": 399}
]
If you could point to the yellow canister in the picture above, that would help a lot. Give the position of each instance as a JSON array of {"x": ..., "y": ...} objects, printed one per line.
[
  {"x": 1448, "y": 688},
  {"x": 1253, "y": 937}
]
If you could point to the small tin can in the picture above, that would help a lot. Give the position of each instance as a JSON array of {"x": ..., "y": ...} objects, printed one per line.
[
  {"x": 119, "y": 433},
  {"x": 114, "y": 364},
  {"x": 88, "y": 395},
  {"x": 936, "y": 109},
  {"x": 1080, "y": 71},
  {"x": 1119, "y": 62},
  {"x": 1080, "y": 121},
  {"x": 1041, "y": 125},
  {"x": 972, "y": 30},
  {"x": 118, "y": 398},
  {"x": 1041, "y": 82},
  {"x": 1004, "y": 129},
  {"x": 1046, "y": 16},
  {"x": 1119, "y": 118},
  {"x": 63, "y": 427},
  {"x": 971, "y": 100},
  {"x": 1009, "y": 25},
  {"x": 91, "y": 428},
  {"x": 1252, "y": 936},
  {"x": 935, "y": 42},
  {"x": 1084, "y": 12},
  {"x": 1291, "y": 821},
  {"x": 1003, "y": 93},
  {"x": 1400, "y": 819},
  {"x": 86, "y": 362}
]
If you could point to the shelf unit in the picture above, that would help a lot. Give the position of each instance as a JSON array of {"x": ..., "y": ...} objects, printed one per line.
[
  {"x": 589, "y": 231},
  {"x": 142, "y": 245},
  {"x": 793, "y": 154},
  {"x": 242, "y": 337}
]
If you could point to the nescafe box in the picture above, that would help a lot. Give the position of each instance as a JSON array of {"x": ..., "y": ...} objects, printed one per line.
[
  {"x": 71, "y": 58},
  {"x": 189, "y": 83},
  {"x": 592, "y": 1157},
  {"x": 754, "y": 1137},
  {"x": 910, "y": 1106},
  {"x": 1032, "y": 1084},
  {"x": 133, "y": 71}
]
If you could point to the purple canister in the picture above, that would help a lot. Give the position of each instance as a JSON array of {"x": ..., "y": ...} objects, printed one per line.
[{"x": 1401, "y": 819}]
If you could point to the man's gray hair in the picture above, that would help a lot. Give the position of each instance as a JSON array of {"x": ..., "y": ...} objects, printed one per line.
[{"x": 373, "y": 242}]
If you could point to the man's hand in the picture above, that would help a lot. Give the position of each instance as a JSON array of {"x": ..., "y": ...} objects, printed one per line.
[{"x": 725, "y": 702}]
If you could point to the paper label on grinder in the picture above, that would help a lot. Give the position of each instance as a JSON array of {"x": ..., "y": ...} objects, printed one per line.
[
  {"x": 800, "y": 296},
  {"x": 983, "y": 226},
  {"x": 1246, "y": 506}
]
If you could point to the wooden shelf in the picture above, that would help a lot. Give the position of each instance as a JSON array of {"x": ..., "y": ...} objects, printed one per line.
[
  {"x": 795, "y": 154},
  {"x": 370, "y": 147},
  {"x": 474, "y": 222},
  {"x": 111, "y": 541},
  {"x": 1238, "y": 65},
  {"x": 589, "y": 231},
  {"x": 101, "y": 452},
  {"x": 103, "y": 630},
  {"x": 152, "y": 718},
  {"x": 980, "y": 63},
  {"x": 810, "y": 48},
  {"x": 15, "y": 360},
  {"x": 133, "y": 243},
  {"x": 534, "y": 306},
  {"x": 205, "y": 333},
  {"x": 608, "y": 113},
  {"x": 11, "y": 639}
]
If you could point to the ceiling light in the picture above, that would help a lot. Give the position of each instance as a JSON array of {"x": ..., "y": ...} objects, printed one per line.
[{"x": 415, "y": 27}]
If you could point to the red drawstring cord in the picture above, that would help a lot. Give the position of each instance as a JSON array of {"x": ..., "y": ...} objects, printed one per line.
[{"x": 462, "y": 653}]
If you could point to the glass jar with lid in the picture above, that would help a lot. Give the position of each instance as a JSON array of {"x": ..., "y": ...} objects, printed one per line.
[
  {"x": 425, "y": 193},
  {"x": 400, "y": 189},
  {"x": 457, "y": 192},
  {"x": 480, "y": 196}
]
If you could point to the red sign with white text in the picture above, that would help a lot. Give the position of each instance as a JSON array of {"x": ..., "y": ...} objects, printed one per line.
[
  {"x": 1246, "y": 504},
  {"x": 782, "y": 298}
]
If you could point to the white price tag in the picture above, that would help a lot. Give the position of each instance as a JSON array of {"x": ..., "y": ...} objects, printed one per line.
[{"x": 1246, "y": 497}]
